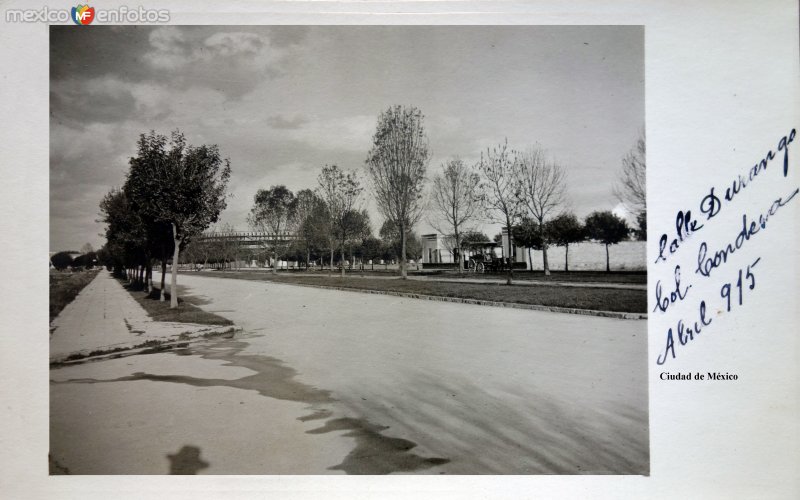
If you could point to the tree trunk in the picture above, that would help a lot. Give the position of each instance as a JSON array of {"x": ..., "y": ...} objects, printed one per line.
[
  {"x": 163, "y": 279},
  {"x": 530, "y": 260},
  {"x": 545, "y": 262},
  {"x": 510, "y": 280},
  {"x": 330, "y": 271},
  {"x": 608, "y": 266},
  {"x": 173, "y": 286},
  {"x": 566, "y": 258},
  {"x": 458, "y": 247},
  {"x": 308, "y": 257},
  {"x": 342, "y": 255},
  {"x": 403, "y": 270},
  {"x": 274, "y": 262}
]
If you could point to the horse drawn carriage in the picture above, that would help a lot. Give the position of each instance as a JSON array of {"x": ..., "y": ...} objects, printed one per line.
[{"x": 483, "y": 258}]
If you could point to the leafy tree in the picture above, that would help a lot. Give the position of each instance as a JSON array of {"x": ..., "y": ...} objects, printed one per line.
[
  {"x": 528, "y": 234},
  {"x": 499, "y": 191},
  {"x": 228, "y": 245},
  {"x": 414, "y": 248},
  {"x": 455, "y": 203},
  {"x": 104, "y": 258},
  {"x": 61, "y": 260},
  {"x": 341, "y": 192},
  {"x": 606, "y": 228},
  {"x": 90, "y": 259},
  {"x": 470, "y": 239},
  {"x": 541, "y": 189},
  {"x": 311, "y": 218},
  {"x": 78, "y": 263},
  {"x": 357, "y": 227},
  {"x": 388, "y": 253},
  {"x": 641, "y": 231},
  {"x": 393, "y": 242},
  {"x": 396, "y": 165},
  {"x": 562, "y": 231},
  {"x": 371, "y": 249},
  {"x": 183, "y": 187},
  {"x": 125, "y": 233},
  {"x": 273, "y": 212}
]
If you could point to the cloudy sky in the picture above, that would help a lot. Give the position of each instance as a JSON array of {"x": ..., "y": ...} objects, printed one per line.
[{"x": 283, "y": 101}]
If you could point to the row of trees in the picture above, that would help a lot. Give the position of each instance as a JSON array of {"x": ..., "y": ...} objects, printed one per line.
[
  {"x": 566, "y": 229},
  {"x": 333, "y": 216},
  {"x": 87, "y": 258},
  {"x": 172, "y": 193},
  {"x": 524, "y": 191},
  {"x": 222, "y": 249}
]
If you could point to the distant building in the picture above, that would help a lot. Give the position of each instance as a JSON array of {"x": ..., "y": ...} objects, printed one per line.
[
  {"x": 436, "y": 249},
  {"x": 627, "y": 255}
]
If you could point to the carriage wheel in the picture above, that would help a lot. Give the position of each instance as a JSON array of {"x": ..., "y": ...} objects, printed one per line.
[
  {"x": 471, "y": 266},
  {"x": 480, "y": 267}
]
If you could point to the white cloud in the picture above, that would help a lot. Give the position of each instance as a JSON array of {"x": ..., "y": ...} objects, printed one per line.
[
  {"x": 229, "y": 44},
  {"x": 349, "y": 133},
  {"x": 169, "y": 47}
]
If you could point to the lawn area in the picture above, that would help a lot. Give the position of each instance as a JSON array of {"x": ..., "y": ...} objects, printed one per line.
[
  {"x": 598, "y": 299},
  {"x": 65, "y": 286},
  {"x": 185, "y": 313},
  {"x": 622, "y": 277}
]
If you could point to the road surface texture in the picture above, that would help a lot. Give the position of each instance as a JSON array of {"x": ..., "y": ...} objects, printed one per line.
[{"x": 323, "y": 381}]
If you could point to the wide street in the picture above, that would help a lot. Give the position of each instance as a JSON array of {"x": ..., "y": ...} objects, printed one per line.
[{"x": 324, "y": 381}]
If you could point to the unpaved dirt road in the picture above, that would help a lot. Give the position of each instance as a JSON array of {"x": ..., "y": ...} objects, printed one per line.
[{"x": 326, "y": 381}]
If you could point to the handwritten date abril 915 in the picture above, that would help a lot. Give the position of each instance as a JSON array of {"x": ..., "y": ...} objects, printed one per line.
[
  {"x": 685, "y": 331},
  {"x": 725, "y": 291}
]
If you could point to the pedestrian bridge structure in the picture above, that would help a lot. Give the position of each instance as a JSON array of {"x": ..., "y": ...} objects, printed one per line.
[{"x": 253, "y": 240}]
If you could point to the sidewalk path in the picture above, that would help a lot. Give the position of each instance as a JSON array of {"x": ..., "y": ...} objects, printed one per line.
[{"x": 105, "y": 317}]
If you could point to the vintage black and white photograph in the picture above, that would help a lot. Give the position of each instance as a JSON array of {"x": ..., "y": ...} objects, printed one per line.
[{"x": 348, "y": 250}]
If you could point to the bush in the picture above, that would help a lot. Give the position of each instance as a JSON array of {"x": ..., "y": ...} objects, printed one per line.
[{"x": 61, "y": 260}]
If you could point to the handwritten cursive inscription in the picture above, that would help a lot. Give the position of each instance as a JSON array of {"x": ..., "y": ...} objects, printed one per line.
[{"x": 713, "y": 256}]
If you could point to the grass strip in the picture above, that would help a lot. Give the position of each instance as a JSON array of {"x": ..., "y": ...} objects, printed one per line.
[
  {"x": 65, "y": 286},
  {"x": 595, "y": 299},
  {"x": 186, "y": 312}
]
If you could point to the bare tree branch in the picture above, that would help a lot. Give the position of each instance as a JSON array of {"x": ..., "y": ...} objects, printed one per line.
[
  {"x": 455, "y": 203},
  {"x": 631, "y": 189},
  {"x": 541, "y": 189}
]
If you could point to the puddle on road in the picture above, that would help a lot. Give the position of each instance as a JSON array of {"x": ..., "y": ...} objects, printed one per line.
[
  {"x": 374, "y": 453},
  {"x": 272, "y": 378},
  {"x": 316, "y": 415}
]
